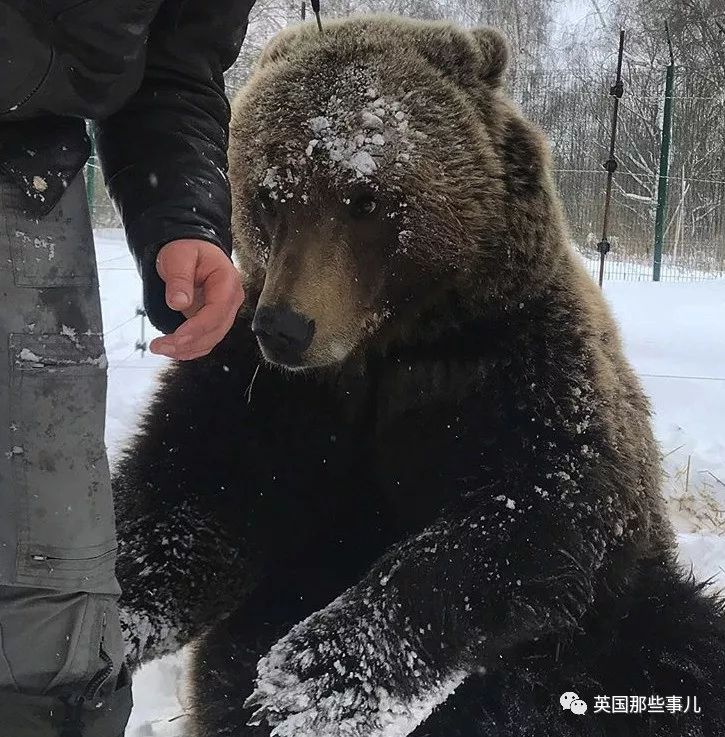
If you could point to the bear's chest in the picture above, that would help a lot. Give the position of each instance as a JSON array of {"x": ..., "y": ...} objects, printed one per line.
[{"x": 424, "y": 461}]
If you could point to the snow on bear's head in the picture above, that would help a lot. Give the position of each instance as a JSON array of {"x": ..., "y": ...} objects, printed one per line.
[{"x": 370, "y": 181}]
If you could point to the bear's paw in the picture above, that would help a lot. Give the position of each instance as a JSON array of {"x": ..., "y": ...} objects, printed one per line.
[{"x": 336, "y": 674}]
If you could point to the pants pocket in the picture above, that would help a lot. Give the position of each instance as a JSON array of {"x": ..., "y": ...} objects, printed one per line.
[
  {"x": 56, "y": 250},
  {"x": 95, "y": 651},
  {"x": 66, "y": 525}
]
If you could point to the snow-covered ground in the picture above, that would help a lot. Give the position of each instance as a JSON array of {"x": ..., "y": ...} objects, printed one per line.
[{"x": 674, "y": 334}]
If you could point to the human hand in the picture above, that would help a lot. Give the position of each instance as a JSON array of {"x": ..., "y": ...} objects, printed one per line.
[{"x": 204, "y": 285}]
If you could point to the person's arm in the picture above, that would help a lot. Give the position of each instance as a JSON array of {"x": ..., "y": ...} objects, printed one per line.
[{"x": 164, "y": 153}]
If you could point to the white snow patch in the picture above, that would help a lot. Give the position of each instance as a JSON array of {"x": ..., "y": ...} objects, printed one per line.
[
  {"x": 390, "y": 718},
  {"x": 373, "y": 120},
  {"x": 674, "y": 335},
  {"x": 319, "y": 124},
  {"x": 354, "y": 136},
  {"x": 363, "y": 163},
  {"x": 27, "y": 355}
]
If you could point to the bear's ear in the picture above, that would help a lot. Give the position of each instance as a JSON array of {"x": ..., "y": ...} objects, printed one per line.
[
  {"x": 495, "y": 53},
  {"x": 468, "y": 57}
]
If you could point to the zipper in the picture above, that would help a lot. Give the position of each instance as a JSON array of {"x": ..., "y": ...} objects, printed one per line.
[
  {"x": 94, "y": 685},
  {"x": 39, "y": 557},
  {"x": 73, "y": 723}
]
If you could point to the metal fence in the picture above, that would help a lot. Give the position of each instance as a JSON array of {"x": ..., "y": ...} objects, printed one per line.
[{"x": 575, "y": 113}]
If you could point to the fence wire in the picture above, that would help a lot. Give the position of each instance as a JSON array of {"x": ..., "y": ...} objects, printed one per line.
[{"x": 575, "y": 112}]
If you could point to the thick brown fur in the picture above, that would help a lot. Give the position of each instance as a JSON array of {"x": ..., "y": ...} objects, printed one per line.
[{"x": 455, "y": 486}]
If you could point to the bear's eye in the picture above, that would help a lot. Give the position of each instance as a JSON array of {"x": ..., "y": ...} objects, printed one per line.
[
  {"x": 266, "y": 203},
  {"x": 363, "y": 206}
]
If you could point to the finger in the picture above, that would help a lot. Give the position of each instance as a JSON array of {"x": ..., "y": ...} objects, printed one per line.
[
  {"x": 207, "y": 323},
  {"x": 177, "y": 267},
  {"x": 208, "y": 330},
  {"x": 163, "y": 346},
  {"x": 171, "y": 351},
  {"x": 205, "y": 337},
  {"x": 196, "y": 304},
  {"x": 167, "y": 346},
  {"x": 213, "y": 320},
  {"x": 222, "y": 282}
]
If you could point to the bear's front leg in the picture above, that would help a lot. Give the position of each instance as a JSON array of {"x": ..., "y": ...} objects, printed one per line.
[
  {"x": 438, "y": 607},
  {"x": 355, "y": 668}
]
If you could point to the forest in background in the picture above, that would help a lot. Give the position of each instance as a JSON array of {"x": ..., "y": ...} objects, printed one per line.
[{"x": 564, "y": 63}]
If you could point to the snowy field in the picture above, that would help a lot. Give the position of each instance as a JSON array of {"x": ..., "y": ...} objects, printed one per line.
[{"x": 674, "y": 335}]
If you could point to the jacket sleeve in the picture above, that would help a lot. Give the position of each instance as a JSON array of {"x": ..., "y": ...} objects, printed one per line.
[{"x": 164, "y": 153}]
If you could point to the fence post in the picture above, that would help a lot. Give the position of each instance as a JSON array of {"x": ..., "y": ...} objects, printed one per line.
[
  {"x": 91, "y": 176},
  {"x": 664, "y": 164},
  {"x": 610, "y": 165},
  {"x": 141, "y": 343}
]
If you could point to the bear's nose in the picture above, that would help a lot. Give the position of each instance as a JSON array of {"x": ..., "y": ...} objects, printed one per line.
[{"x": 283, "y": 330}]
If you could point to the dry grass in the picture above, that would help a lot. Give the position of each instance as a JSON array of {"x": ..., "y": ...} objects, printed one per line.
[{"x": 694, "y": 499}]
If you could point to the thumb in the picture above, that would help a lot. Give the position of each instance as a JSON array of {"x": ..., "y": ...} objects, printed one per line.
[{"x": 176, "y": 265}]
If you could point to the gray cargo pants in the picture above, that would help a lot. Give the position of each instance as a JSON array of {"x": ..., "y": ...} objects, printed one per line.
[{"x": 60, "y": 643}]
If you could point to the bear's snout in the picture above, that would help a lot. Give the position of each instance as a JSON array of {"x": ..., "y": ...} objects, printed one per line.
[{"x": 283, "y": 334}]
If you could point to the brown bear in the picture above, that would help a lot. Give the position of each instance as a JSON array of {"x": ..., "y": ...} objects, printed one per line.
[{"x": 415, "y": 491}]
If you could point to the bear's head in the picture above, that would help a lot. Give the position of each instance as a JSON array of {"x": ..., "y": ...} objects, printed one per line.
[{"x": 383, "y": 182}]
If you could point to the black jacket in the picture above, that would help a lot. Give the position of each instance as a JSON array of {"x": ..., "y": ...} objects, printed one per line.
[{"x": 149, "y": 72}]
